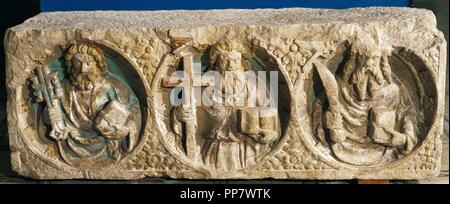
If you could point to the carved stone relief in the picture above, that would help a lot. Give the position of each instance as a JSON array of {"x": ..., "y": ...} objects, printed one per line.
[
  {"x": 298, "y": 99},
  {"x": 364, "y": 112},
  {"x": 91, "y": 115},
  {"x": 238, "y": 135}
]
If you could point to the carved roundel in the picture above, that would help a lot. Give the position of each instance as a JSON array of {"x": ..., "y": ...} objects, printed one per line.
[
  {"x": 88, "y": 107},
  {"x": 369, "y": 109},
  {"x": 218, "y": 137}
]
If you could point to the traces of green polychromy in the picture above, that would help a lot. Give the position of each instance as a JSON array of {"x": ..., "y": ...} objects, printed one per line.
[
  {"x": 257, "y": 64},
  {"x": 113, "y": 67}
]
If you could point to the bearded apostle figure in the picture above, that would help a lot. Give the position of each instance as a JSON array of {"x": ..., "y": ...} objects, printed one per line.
[
  {"x": 99, "y": 113},
  {"x": 364, "y": 114}
]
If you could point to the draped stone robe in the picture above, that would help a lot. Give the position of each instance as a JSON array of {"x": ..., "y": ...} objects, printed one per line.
[
  {"x": 80, "y": 109},
  {"x": 225, "y": 147},
  {"x": 359, "y": 148}
]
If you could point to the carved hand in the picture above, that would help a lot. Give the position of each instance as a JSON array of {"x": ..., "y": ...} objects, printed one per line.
[
  {"x": 112, "y": 130},
  {"x": 54, "y": 115},
  {"x": 397, "y": 138},
  {"x": 268, "y": 136},
  {"x": 334, "y": 125},
  {"x": 265, "y": 136},
  {"x": 55, "y": 119}
]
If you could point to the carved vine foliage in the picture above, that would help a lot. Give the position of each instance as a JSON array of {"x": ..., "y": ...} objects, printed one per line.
[
  {"x": 295, "y": 55},
  {"x": 360, "y": 111},
  {"x": 147, "y": 52}
]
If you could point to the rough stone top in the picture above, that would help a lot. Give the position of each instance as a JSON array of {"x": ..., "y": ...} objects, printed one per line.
[{"x": 228, "y": 17}]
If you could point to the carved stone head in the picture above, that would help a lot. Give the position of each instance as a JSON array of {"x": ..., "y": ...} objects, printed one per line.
[
  {"x": 368, "y": 69},
  {"x": 86, "y": 64},
  {"x": 229, "y": 61},
  {"x": 229, "y": 56}
]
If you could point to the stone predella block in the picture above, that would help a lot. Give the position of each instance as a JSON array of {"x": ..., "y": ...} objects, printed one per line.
[{"x": 355, "y": 93}]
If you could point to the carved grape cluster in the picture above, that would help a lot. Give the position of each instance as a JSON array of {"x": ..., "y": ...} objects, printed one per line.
[
  {"x": 296, "y": 55},
  {"x": 146, "y": 51},
  {"x": 293, "y": 55},
  {"x": 153, "y": 157},
  {"x": 143, "y": 52},
  {"x": 293, "y": 157},
  {"x": 432, "y": 54},
  {"x": 426, "y": 157}
]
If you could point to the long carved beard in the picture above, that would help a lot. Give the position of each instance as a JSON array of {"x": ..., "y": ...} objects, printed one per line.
[
  {"x": 85, "y": 81},
  {"x": 367, "y": 81}
]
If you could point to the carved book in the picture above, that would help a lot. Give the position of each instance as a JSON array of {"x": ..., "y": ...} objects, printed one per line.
[{"x": 354, "y": 94}]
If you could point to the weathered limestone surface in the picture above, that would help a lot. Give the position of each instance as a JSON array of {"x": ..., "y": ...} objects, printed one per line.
[{"x": 360, "y": 94}]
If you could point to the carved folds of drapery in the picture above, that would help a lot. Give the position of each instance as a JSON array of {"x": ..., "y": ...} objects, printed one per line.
[{"x": 359, "y": 93}]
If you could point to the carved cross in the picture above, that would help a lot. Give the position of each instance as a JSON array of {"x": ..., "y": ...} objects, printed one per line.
[{"x": 192, "y": 72}]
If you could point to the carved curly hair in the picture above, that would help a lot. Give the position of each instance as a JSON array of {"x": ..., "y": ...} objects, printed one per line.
[
  {"x": 368, "y": 48},
  {"x": 226, "y": 47},
  {"x": 88, "y": 49}
]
